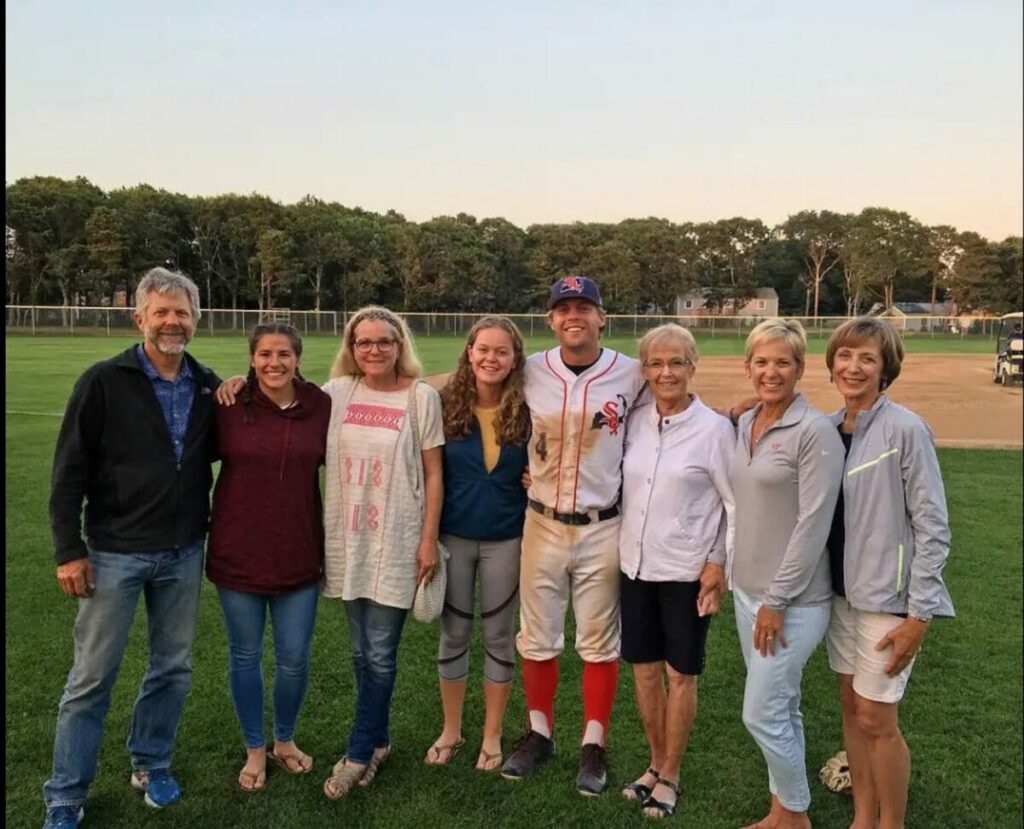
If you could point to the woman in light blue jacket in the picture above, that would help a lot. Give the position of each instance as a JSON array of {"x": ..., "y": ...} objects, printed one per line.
[{"x": 887, "y": 548}]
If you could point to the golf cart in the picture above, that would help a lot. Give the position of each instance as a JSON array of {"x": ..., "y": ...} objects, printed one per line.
[{"x": 1009, "y": 350}]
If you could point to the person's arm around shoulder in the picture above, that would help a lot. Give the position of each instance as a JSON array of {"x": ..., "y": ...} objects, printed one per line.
[
  {"x": 929, "y": 519},
  {"x": 80, "y": 432},
  {"x": 431, "y": 443}
]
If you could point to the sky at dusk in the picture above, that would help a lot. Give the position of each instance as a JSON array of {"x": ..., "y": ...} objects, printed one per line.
[{"x": 537, "y": 112}]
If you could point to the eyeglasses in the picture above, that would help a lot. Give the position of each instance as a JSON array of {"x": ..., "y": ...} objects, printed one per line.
[
  {"x": 384, "y": 345},
  {"x": 675, "y": 364}
]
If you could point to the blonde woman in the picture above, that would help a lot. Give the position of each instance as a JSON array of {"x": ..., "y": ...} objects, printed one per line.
[
  {"x": 486, "y": 426},
  {"x": 785, "y": 477},
  {"x": 382, "y": 509}
]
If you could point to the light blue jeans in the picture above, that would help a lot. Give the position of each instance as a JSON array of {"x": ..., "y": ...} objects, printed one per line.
[
  {"x": 292, "y": 617},
  {"x": 375, "y": 631},
  {"x": 170, "y": 583},
  {"x": 771, "y": 699}
]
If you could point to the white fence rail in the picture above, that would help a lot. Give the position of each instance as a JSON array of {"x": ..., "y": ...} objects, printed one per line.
[{"x": 86, "y": 320}]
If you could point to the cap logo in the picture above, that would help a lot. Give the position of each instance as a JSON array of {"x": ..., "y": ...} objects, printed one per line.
[{"x": 571, "y": 284}]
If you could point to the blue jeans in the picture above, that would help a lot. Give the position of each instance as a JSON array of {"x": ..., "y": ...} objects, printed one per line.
[
  {"x": 771, "y": 699},
  {"x": 292, "y": 616},
  {"x": 375, "y": 630},
  {"x": 170, "y": 583}
]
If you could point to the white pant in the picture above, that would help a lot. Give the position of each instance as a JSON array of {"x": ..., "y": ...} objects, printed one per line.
[
  {"x": 562, "y": 561},
  {"x": 771, "y": 699}
]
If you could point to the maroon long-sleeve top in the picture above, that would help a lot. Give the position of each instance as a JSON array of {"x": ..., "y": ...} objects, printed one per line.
[{"x": 266, "y": 533}]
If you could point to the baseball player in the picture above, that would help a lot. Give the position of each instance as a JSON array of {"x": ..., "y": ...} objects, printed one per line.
[{"x": 578, "y": 395}]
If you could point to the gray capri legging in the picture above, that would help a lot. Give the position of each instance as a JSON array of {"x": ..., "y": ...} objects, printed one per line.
[{"x": 497, "y": 562}]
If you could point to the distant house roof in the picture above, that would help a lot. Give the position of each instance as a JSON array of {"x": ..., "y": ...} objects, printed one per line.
[
  {"x": 759, "y": 293},
  {"x": 915, "y": 309}
]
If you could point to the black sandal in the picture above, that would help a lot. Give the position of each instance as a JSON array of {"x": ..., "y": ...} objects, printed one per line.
[
  {"x": 638, "y": 791},
  {"x": 665, "y": 809}
]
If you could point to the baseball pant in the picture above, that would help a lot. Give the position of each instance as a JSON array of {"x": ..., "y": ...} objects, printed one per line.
[{"x": 563, "y": 562}]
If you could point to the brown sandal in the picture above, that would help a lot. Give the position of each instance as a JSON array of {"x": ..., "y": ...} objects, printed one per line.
[
  {"x": 435, "y": 749},
  {"x": 488, "y": 758},
  {"x": 256, "y": 780},
  {"x": 299, "y": 758}
]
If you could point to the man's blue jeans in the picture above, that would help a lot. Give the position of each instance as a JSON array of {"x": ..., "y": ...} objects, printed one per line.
[
  {"x": 170, "y": 583},
  {"x": 375, "y": 631},
  {"x": 292, "y": 617}
]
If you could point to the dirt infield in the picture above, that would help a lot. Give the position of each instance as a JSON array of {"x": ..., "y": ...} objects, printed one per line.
[{"x": 953, "y": 392}]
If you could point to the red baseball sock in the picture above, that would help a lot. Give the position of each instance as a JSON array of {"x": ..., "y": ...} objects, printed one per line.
[
  {"x": 599, "y": 682},
  {"x": 540, "y": 681}
]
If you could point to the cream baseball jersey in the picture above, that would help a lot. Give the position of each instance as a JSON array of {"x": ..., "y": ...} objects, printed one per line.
[{"x": 578, "y": 428}]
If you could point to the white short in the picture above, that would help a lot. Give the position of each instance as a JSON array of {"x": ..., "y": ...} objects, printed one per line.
[{"x": 851, "y": 639}]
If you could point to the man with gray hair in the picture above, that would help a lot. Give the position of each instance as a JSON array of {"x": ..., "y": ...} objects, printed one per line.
[{"x": 135, "y": 445}]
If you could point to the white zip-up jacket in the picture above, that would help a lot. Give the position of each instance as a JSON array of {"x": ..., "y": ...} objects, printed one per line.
[
  {"x": 896, "y": 522},
  {"x": 677, "y": 507}
]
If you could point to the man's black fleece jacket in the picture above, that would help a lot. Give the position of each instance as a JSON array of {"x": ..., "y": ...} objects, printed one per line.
[{"x": 115, "y": 452}]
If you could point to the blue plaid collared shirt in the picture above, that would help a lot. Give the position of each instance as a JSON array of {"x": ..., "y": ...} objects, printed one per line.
[{"x": 175, "y": 398}]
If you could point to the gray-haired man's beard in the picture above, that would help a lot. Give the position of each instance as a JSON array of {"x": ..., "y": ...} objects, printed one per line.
[{"x": 170, "y": 345}]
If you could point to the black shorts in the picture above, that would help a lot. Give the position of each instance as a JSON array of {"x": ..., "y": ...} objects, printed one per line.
[{"x": 660, "y": 623}]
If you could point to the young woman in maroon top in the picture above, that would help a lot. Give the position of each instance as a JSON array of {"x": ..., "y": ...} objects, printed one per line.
[{"x": 266, "y": 540}]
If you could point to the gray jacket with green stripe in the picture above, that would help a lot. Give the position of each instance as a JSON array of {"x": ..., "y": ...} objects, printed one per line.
[{"x": 897, "y": 525}]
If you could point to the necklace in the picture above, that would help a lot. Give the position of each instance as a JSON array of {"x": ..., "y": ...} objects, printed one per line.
[{"x": 755, "y": 433}]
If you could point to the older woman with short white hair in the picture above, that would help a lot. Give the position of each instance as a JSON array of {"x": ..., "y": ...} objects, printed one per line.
[
  {"x": 676, "y": 531},
  {"x": 785, "y": 475}
]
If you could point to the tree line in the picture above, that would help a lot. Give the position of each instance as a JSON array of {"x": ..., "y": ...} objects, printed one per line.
[{"x": 69, "y": 242}]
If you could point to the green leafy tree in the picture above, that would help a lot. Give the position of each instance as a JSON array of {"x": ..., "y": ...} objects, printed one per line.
[
  {"x": 819, "y": 236},
  {"x": 47, "y": 216}
]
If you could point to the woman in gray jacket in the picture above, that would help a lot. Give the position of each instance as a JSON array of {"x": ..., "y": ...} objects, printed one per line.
[
  {"x": 888, "y": 545},
  {"x": 785, "y": 477}
]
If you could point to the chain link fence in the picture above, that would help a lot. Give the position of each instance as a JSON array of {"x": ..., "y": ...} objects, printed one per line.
[{"x": 86, "y": 320}]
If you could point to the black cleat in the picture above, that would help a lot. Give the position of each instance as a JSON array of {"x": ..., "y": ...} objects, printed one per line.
[
  {"x": 593, "y": 777},
  {"x": 532, "y": 750}
]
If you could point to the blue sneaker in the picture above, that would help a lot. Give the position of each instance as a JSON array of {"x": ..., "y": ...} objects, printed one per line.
[
  {"x": 160, "y": 787},
  {"x": 63, "y": 817}
]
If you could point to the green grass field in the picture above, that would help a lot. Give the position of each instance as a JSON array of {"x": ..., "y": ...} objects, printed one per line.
[{"x": 961, "y": 716}]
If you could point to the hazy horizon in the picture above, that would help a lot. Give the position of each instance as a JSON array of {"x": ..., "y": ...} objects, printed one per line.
[{"x": 579, "y": 112}]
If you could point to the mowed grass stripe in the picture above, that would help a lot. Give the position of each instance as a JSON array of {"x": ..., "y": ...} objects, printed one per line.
[{"x": 961, "y": 716}]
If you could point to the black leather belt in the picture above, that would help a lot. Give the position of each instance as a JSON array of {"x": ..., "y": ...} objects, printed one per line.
[{"x": 575, "y": 518}]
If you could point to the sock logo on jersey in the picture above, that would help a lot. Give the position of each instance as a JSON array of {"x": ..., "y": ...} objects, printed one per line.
[{"x": 611, "y": 415}]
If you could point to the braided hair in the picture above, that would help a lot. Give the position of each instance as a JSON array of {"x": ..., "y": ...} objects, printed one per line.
[{"x": 259, "y": 331}]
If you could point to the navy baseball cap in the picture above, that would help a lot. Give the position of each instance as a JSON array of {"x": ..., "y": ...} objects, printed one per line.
[{"x": 575, "y": 287}]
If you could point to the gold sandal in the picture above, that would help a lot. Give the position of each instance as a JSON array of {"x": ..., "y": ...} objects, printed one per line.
[
  {"x": 344, "y": 777},
  {"x": 380, "y": 756}
]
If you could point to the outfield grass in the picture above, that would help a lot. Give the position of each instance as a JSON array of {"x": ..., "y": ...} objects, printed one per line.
[{"x": 961, "y": 717}]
